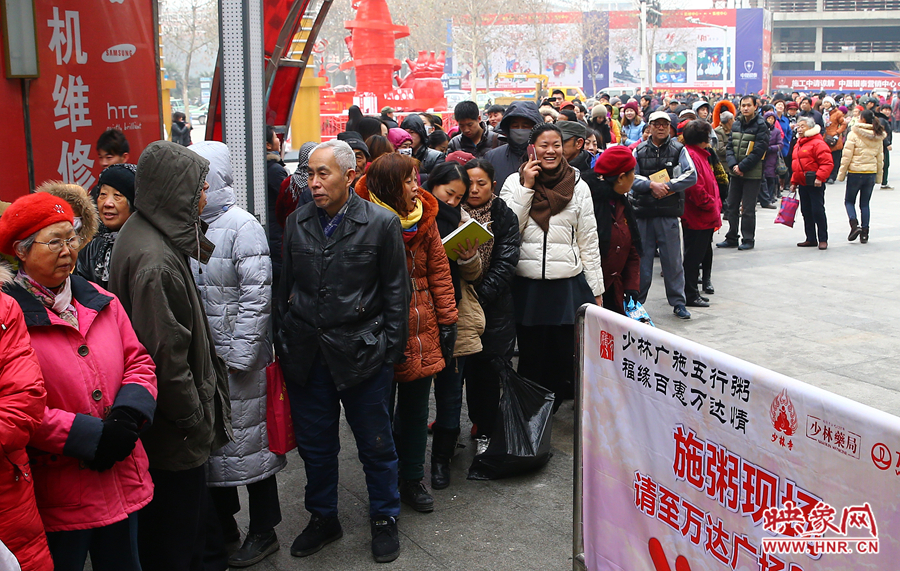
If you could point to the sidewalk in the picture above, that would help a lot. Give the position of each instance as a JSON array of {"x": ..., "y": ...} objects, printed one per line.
[{"x": 830, "y": 318}]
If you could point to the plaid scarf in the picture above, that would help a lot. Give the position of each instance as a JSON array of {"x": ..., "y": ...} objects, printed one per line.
[
  {"x": 60, "y": 303},
  {"x": 482, "y": 214}
]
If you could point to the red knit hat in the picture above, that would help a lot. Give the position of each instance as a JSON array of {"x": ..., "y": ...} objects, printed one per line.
[
  {"x": 614, "y": 161},
  {"x": 29, "y": 214},
  {"x": 461, "y": 157}
]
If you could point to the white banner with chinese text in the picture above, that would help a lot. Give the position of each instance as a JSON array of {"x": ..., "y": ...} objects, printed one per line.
[{"x": 694, "y": 460}]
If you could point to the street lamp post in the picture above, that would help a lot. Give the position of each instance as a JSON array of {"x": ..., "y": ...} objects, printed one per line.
[{"x": 725, "y": 60}]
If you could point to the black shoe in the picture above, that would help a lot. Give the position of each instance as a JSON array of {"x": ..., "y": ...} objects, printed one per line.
[
  {"x": 697, "y": 302},
  {"x": 727, "y": 244},
  {"x": 320, "y": 532},
  {"x": 681, "y": 312},
  {"x": 414, "y": 494},
  {"x": 769, "y": 206},
  {"x": 385, "y": 541},
  {"x": 708, "y": 288},
  {"x": 443, "y": 447},
  {"x": 746, "y": 246},
  {"x": 703, "y": 298},
  {"x": 256, "y": 547}
]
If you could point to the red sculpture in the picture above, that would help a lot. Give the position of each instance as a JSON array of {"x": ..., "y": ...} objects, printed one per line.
[{"x": 371, "y": 46}]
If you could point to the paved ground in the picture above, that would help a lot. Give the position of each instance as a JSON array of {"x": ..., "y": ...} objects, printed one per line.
[{"x": 829, "y": 318}]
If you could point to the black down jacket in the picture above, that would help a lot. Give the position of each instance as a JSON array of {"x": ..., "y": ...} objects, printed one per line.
[{"x": 494, "y": 293}]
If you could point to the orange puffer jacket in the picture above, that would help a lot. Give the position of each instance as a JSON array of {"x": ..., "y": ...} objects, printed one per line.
[{"x": 432, "y": 302}]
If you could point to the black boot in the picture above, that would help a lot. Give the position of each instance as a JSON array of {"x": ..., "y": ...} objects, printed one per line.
[
  {"x": 443, "y": 445},
  {"x": 864, "y": 236},
  {"x": 854, "y": 230},
  {"x": 414, "y": 494}
]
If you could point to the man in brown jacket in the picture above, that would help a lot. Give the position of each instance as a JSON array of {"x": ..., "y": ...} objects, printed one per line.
[{"x": 153, "y": 280}]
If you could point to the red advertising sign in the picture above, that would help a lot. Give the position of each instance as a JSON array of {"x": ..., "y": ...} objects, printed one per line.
[{"x": 97, "y": 71}]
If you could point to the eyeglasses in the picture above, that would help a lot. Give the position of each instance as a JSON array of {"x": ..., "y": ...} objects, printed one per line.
[
  {"x": 660, "y": 124},
  {"x": 56, "y": 245}
]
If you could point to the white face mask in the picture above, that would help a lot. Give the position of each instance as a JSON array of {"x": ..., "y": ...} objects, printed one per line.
[
  {"x": 407, "y": 152},
  {"x": 429, "y": 129},
  {"x": 519, "y": 136}
]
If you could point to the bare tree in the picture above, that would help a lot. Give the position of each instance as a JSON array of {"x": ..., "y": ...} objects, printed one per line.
[
  {"x": 595, "y": 41},
  {"x": 189, "y": 28},
  {"x": 476, "y": 35}
]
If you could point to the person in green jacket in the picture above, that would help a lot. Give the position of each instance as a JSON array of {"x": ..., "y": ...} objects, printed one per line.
[
  {"x": 154, "y": 282},
  {"x": 744, "y": 153}
]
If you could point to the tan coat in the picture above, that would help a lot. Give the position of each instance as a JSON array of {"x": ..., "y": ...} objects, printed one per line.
[
  {"x": 863, "y": 152},
  {"x": 471, "y": 315}
]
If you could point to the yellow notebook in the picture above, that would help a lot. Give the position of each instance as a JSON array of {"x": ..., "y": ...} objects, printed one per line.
[{"x": 471, "y": 230}]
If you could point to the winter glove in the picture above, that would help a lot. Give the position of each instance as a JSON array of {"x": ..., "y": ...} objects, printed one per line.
[
  {"x": 448, "y": 342},
  {"x": 120, "y": 434}
]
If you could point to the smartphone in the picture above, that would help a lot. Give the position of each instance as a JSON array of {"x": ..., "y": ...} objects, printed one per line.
[{"x": 532, "y": 154}]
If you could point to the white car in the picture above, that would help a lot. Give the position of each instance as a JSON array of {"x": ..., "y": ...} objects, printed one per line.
[{"x": 454, "y": 96}]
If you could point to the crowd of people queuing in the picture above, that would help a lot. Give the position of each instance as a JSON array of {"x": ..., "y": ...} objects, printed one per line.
[{"x": 139, "y": 317}]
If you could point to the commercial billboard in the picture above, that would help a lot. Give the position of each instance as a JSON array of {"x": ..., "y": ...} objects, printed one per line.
[
  {"x": 98, "y": 69},
  {"x": 835, "y": 81},
  {"x": 694, "y": 459}
]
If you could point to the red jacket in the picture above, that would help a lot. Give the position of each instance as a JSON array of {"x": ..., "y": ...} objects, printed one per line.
[
  {"x": 702, "y": 205},
  {"x": 433, "y": 301},
  {"x": 87, "y": 372},
  {"x": 811, "y": 153},
  {"x": 22, "y": 401}
]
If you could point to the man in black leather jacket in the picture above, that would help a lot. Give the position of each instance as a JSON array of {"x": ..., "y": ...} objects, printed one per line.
[{"x": 341, "y": 311}]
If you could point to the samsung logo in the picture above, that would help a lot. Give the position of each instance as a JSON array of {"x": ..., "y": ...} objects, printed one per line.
[{"x": 118, "y": 53}]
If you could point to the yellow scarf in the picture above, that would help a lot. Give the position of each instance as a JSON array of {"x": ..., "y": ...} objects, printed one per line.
[{"x": 410, "y": 220}]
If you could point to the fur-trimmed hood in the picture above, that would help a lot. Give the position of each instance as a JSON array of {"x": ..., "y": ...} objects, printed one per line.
[
  {"x": 81, "y": 204},
  {"x": 865, "y": 130},
  {"x": 723, "y": 105},
  {"x": 6, "y": 273}
]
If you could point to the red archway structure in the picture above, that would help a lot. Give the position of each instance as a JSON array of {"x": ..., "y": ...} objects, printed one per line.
[{"x": 282, "y": 21}]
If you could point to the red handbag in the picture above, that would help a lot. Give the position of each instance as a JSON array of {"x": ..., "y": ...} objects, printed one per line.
[
  {"x": 788, "y": 210},
  {"x": 278, "y": 412}
]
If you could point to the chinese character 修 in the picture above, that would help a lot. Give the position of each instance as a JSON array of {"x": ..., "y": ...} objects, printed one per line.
[
  {"x": 75, "y": 166},
  {"x": 66, "y": 33}
]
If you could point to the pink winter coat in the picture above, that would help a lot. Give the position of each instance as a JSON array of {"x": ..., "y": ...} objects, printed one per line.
[{"x": 87, "y": 372}]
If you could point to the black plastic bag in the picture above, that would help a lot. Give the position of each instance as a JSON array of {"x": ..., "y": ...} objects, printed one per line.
[{"x": 521, "y": 439}]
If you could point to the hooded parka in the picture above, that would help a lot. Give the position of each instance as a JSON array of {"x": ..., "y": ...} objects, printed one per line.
[
  {"x": 22, "y": 402},
  {"x": 863, "y": 152},
  {"x": 508, "y": 158},
  {"x": 153, "y": 279},
  {"x": 428, "y": 158},
  {"x": 811, "y": 154},
  {"x": 236, "y": 288},
  {"x": 87, "y": 372},
  {"x": 433, "y": 301}
]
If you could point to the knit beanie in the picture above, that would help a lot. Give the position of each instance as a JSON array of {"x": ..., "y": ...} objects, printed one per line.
[{"x": 121, "y": 178}]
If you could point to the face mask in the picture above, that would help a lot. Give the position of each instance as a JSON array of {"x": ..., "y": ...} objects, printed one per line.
[
  {"x": 407, "y": 152},
  {"x": 519, "y": 137},
  {"x": 429, "y": 129}
]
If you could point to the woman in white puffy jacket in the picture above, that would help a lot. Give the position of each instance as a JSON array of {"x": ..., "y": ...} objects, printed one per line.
[
  {"x": 236, "y": 288},
  {"x": 559, "y": 261}
]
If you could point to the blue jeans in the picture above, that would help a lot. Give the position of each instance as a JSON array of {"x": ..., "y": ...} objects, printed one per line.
[
  {"x": 448, "y": 387},
  {"x": 112, "y": 547},
  {"x": 316, "y": 412},
  {"x": 862, "y": 184}
]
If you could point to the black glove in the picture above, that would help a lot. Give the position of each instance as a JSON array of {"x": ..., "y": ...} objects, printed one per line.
[
  {"x": 120, "y": 433},
  {"x": 448, "y": 342}
]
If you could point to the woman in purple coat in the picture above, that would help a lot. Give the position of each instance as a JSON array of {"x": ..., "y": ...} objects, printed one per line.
[{"x": 769, "y": 194}]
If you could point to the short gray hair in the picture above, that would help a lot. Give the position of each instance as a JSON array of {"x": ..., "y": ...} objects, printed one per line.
[
  {"x": 24, "y": 245},
  {"x": 726, "y": 116},
  {"x": 810, "y": 122},
  {"x": 343, "y": 154}
]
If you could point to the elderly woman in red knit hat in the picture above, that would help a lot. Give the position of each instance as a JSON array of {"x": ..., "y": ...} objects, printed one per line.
[
  {"x": 90, "y": 470},
  {"x": 620, "y": 243}
]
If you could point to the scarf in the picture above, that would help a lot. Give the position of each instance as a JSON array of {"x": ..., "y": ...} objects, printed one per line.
[
  {"x": 409, "y": 221},
  {"x": 482, "y": 214},
  {"x": 300, "y": 178},
  {"x": 60, "y": 303},
  {"x": 101, "y": 268},
  {"x": 553, "y": 189}
]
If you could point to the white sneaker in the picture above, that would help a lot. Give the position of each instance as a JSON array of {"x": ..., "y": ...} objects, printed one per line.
[{"x": 886, "y": 187}]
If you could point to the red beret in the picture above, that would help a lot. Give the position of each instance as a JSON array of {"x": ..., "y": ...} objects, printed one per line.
[
  {"x": 31, "y": 213},
  {"x": 460, "y": 157},
  {"x": 614, "y": 161}
]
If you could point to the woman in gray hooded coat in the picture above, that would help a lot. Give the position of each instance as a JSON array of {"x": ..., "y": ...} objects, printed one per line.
[{"x": 236, "y": 288}]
